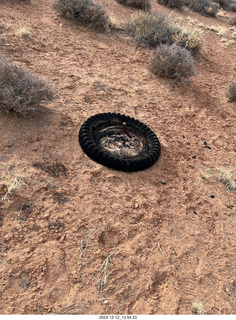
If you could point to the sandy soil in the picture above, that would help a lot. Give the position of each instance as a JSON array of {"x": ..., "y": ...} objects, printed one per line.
[{"x": 79, "y": 238}]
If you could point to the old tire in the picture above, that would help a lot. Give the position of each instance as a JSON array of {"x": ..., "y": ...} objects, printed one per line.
[{"x": 104, "y": 127}]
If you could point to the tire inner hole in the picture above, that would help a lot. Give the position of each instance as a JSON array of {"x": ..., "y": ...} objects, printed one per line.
[{"x": 116, "y": 142}]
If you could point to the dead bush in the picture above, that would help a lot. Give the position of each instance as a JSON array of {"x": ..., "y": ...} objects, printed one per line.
[
  {"x": 140, "y": 4},
  {"x": 20, "y": 91},
  {"x": 189, "y": 39},
  {"x": 232, "y": 20},
  {"x": 176, "y": 4},
  {"x": 204, "y": 7},
  {"x": 232, "y": 91},
  {"x": 150, "y": 28},
  {"x": 85, "y": 12},
  {"x": 172, "y": 61}
]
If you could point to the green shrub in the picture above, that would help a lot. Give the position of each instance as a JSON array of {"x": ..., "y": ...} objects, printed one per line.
[
  {"x": 232, "y": 91},
  {"x": 85, "y": 12},
  {"x": 204, "y": 7},
  {"x": 172, "y": 61},
  {"x": 232, "y": 20},
  {"x": 20, "y": 91},
  {"x": 176, "y": 4},
  {"x": 151, "y": 29},
  {"x": 140, "y": 4}
]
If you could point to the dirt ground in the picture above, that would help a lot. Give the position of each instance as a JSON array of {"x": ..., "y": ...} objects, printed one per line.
[{"x": 79, "y": 238}]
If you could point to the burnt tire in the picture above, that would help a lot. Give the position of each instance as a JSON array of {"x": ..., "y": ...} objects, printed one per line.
[{"x": 104, "y": 126}]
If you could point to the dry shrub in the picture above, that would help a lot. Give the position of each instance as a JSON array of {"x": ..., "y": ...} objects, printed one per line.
[
  {"x": 204, "y": 7},
  {"x": 191, "y": 40},
  {"x": 15, "y": 1},
  {"x": 151, "y": 29},
  {"x": 155, "y": 28},
  {"x": 140, "y": 4},
  {"x": 225, "y": 4},
  {"x": 232, "y": 91},
  {"x": 233, "y": 7},
  {"x": 198, "y": 307},
  {"x": 232, "y": 21},
  {"x": 20, "y": 90},
  {"x": 176, "y": 4},
  {"x": 85, "y": 12},
  {"x": 172, "y": 61}
]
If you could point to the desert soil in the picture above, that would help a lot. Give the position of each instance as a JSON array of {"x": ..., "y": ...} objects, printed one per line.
[{"x": 79, "y": 238}]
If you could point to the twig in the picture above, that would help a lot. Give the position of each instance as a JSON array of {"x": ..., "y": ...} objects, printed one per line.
[
  {"x": 84, "y": 246},
  {"x": 68, "y": 309},
  {"x": 159, "y": 247},
  {"x": 119, "y": 307},
  {"x": 39, "y": 305},
  {"x": 101, "y": 299},
  {"x": 103, "y": 270}
]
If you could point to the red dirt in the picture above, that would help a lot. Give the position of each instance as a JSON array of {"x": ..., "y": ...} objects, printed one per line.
[{"x": 167, "y": 234}]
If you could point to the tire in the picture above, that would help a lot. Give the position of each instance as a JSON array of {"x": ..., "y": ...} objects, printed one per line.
[{"x": 105, "y": 126}]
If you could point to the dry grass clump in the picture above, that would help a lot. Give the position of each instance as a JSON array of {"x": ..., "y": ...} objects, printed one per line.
[
  {"x": 172, "y": 61},
  {"x": 23, "y": 32},
  {"x": 140, "y": 4},
  {"x": 228, "y": 177},
  {"x": 198, "y": 307},
  {"x": 176, "y": 4},
  {"x": 20, "y": 91},
  {"x": 189, "y": 39},
  {"x": 204, "y": 7},
  {"x": 85, "y": 12},
  {"x": 151, "y": 29},
  {"x": 232, "y": 21},
  {"x": 232, "y": 91}
]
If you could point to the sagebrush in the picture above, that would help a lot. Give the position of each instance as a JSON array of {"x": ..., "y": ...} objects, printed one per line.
[
  {"x": 85, "y": 12},
  {"x": 154, "y": 29},
  {"x": 15, "y": 1},
  {"x": 172, "y": 61},
  {"x": 233, "y": 7},
  {"x": 232, "y": 20},
  {"x": 21, "y": 91},
  {"x": 204, "y": 7},
  {"x": 225, "y": 4},
  {"x": 175, "y": 4},
  {"x": 140, "y": 4},
  {"x": 151, "y": 29}
]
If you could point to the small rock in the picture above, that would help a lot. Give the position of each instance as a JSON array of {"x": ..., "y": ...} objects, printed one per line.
[{"x": 3, "y": 189}]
